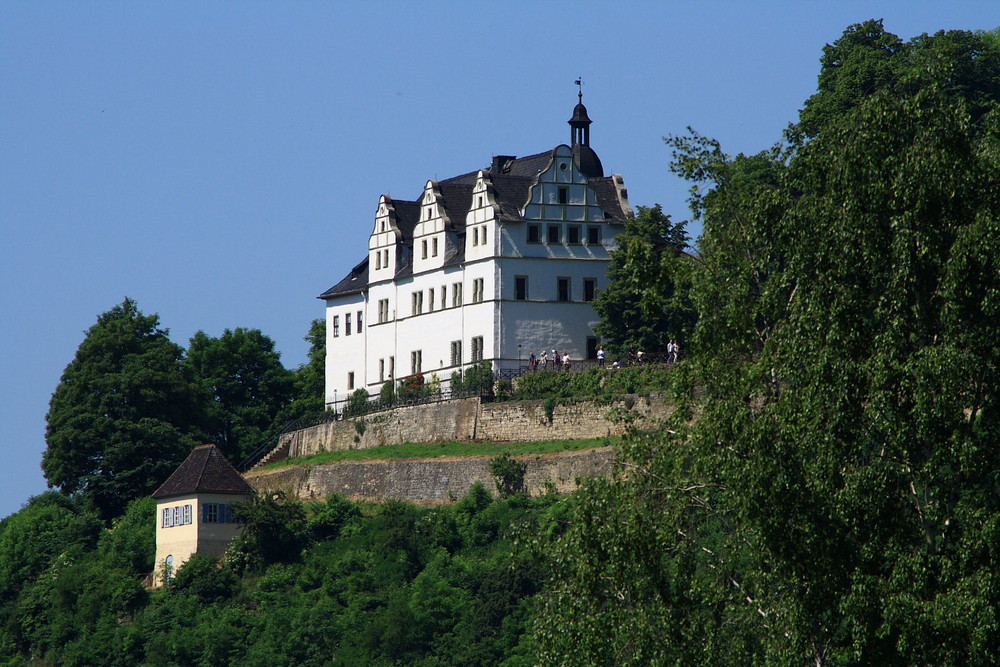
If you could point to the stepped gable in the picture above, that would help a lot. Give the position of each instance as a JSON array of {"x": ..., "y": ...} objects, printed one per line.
[
  {"x": 205, "y": 470},
  {"x": 511, "y": 178}
]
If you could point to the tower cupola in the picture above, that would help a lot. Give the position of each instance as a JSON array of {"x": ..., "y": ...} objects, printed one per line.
[
  {"x": 586, "y": 158},
  {"x": 580, "y": 123}
]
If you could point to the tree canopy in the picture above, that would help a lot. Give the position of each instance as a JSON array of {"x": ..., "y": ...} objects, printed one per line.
[
  {"x": 242, "y": 372},
  {"x": 646, "y": 302},
  {"x": 125, "y": 412},
  {"x": 835, "y": 501}
]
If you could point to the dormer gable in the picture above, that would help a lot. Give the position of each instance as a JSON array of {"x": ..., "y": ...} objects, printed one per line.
[
  {"x": 433, "y": 210},
  {"x": 385, "y": 245},
  {"x": 480, "y": 221},
  {"x": 430, "y": 231},
  {"x": 562, "y": 192}
]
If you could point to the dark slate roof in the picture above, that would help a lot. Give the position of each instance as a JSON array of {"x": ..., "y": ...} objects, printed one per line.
[
  {"x": 457, "y": 200},
  {"x": 205, "y": 470},
  {"x": 607, "y": 198},
  {"x": 407, "y": 216},
  {"x": 511, "y": 178},
  {"x": 355, "y": 282}
]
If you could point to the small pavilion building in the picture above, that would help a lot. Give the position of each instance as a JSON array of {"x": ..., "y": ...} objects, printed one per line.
[{"x": 194, "y": 510}]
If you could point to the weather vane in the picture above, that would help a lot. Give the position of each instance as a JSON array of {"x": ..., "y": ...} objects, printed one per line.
[{"x": 579, "y": 82}]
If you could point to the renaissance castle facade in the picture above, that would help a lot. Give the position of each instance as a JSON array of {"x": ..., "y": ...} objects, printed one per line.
[{"x": 488, "y": 266}]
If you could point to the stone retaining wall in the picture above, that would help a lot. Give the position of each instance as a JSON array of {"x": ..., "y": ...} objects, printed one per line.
[
  {"x": 470, "y": 419},
  {"x": 428, "y": 481}
]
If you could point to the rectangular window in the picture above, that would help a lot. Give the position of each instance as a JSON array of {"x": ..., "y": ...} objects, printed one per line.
[
  {"x": 475, "y": 236},
  {"x": 477, "y": 290},
  {"x": 521, "y": 288},
  {"x": 378, "y": 260},
  {"x": 168, "y": 517},
  {"x": 444, "y": 297},
  {"x": 589, "y": 288},
  {"x": 562, "y": 289},
  {"x": 187, "y": 514},
  {"x": 381, "y": 370},
  {"x": 385, "y": 258},
  {"x": 554, "y": 232},
  {"x": 210, "y": 513},
  {"x": 383, "y": 310},
  {"x": 534, "y": 234},
  {"x": 392, "y": 367},
  {"x": 216, "y": 513},
  {"x": 418, "y": 302},
  {"x": 434, "y": 247},
  {"x": 456, "y": 353},
  {"x": 482, "y": 234},
  {"x": 347, "y": 324},
  {"x": 360, "y": 312},
  {"x": 350, "y": 380},
  {"x": 593, "y": 235},
  {"x": 573, "y": 234},
  {"x": 416, "y": 361},
  {"x": 430, "y": 299},
  {"x": 456, "y": 294},
  {"x": 423, "y": 249},
  {"x": 563, "y": 195},
  {"x": 336, "y": 326},
  {"x": 477, "y": 349}
]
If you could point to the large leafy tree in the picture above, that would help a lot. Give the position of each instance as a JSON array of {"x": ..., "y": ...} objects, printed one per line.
[
  {"x": 242, "y": 372},
  {"x": 835, "y": 501},
  {"x": 647, "y": 299},
  {"x": 310, "y": 376},
  {"x": 125, "y": 413}
]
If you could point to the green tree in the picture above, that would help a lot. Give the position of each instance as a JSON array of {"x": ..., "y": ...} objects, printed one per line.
[
  {"x": 310, "y": 377},
  {"x": 243, "y": 373},
  {"x": 130, "y": 543},
  {"x": 48, "y": 525},
  {"x": 835, "y": 500},
  {"x": 125, "y": 414},
  {"x": 646, "y": 302},
  {"x": 274, "y": 531}
]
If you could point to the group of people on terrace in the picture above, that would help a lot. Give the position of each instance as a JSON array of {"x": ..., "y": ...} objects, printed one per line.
[
  {"x": 558, "y": 361},
  {"x": 562, "y": 361}
]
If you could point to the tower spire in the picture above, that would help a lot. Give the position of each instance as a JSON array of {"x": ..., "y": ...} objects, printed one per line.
[{"x": 580, "y": 122}]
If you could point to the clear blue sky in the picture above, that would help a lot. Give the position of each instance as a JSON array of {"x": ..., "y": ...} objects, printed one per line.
[{"x": 220, "y": 162}]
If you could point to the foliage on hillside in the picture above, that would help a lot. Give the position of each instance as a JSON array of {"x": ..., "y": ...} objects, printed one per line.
[
  {"x": 132, "y": 404},
  {"x": 836, "y": 502},
  {"x": 333, "y": 581}
]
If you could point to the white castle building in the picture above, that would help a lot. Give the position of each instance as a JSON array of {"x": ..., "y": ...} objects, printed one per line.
[{"x": 487, "y": 266}]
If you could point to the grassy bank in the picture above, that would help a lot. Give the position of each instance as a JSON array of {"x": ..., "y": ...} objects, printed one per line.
[{"x": 447, "y": 449}]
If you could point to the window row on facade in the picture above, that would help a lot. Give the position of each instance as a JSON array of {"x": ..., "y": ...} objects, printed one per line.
[
  {"x": 564, "y": 289},
  {"x": 335, "y": 324},
  {"x": 432, "y": 299},
  {"x": 558, "y": 233},
  {"x": 181, "y": 515},
  {"x": 387, "y": 366}
]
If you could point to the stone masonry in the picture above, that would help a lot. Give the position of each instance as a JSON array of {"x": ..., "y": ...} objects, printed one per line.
[
  {"x": 471, "y": 420},
  {"x": 440, "y": 480},
  {"x": 428, "y": 481}
]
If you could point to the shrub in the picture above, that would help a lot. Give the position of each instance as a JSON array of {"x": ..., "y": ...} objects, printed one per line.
[
  {"x": 387, "y": 395},
  {"x": 478, "y": 378},
  {"x": 543, "y": 384},
  {"x": 411, "y": 387},
  {"x": 357, "y": 404},
  {"x": 508, "y": 474}
]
